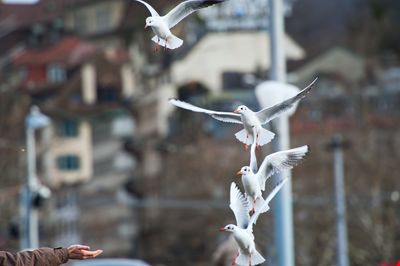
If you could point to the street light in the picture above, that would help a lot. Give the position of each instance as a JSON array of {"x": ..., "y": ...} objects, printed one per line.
[
  {"x": 33, "y": 189},
  {"x": 268, "y": 94},
  {"x": 337, "y": 145}
]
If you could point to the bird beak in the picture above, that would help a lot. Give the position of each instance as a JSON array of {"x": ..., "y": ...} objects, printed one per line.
[
  {"x": 239, "y": 173},
  {"x": 221, "y": 229},
  {"x": 236, "y": 111},
  {"x": 146, "y": 26}
]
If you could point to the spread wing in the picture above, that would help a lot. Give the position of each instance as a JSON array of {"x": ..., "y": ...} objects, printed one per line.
[
  {"x": 253, "y": 157},
  {"x": 186, "y": 8},
  {"x": 265, "y": 206},
  {"x": 229, "y": 117},
  {"x": 240, "y": 206},
  {"x": 267, "y": 114},
  {"x": 278, "y": 161},
  {"x": 153, "y": 12}
]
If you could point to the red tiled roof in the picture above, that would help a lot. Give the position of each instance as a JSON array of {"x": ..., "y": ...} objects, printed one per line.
[
  {"x": 68, "y": 51},
  {"x": 15, "y": 16}
]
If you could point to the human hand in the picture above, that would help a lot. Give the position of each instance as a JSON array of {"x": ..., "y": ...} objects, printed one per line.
[{"x": 82, "y": 252}]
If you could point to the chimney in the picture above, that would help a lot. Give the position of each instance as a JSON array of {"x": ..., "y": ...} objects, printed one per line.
[{"x": 89, "y": 83}]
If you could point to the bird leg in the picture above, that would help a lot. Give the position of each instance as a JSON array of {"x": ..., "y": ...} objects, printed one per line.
[
  {"x": 234, "y": 259},
  {"x": 165, "y": 46},
  {"x": 156, "y": 47},
  {"x": 246, "y": 147},
  {"x": 253, "y": 210},
  {"x": 257, "y": 140},
  {"x": 250, "y": 260}
]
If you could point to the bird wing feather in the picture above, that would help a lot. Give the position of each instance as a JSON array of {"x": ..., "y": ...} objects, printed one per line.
[
  {"x": 191, "y": 107},
  {"x": 240, "y": 206},
  {"x": 253, "y": 157},
  {"x": 186, "y": 8},
  {"x": 227, "y": 119},
  {"x": 278, "y": 161},
  {"x": 153, "y": 12},
  {"x": 265, "y": 206},
  {"x": 267, "y": 114}
]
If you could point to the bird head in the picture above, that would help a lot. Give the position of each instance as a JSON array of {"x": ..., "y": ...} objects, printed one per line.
[
  {"x": 244, "y": 170},
  {"x": 241, "y": 109},
  {"x": 228, "y": 228},
  {"x": 149, "y": 22}
]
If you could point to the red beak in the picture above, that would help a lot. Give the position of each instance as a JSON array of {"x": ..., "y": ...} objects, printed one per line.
[
  {"x": 236, "y": 111},
  {"x": 221, "y": 229}
]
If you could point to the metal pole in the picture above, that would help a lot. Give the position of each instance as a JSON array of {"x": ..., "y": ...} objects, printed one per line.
[
  {"x": 31, "y": 232},
  {"x": 283, "y": 211},
  {"x": 337, "y": 145}
]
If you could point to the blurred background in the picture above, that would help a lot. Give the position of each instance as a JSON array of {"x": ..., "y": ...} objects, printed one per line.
[{"x": 138, "y": 178}]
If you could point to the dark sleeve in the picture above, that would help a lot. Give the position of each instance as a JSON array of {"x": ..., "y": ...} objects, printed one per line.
[{"x": 37, "y": 257}]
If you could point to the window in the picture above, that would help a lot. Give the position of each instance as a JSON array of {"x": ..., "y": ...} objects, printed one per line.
[
  {"x": 68, "y": 162},
  {"x": 103, "y": 19},
  {"x": 107, "y": 94},
  {"x": 81, "y": 23},
  {"x": 68, "y": 128},
  {"x": 56, "y": 73}
]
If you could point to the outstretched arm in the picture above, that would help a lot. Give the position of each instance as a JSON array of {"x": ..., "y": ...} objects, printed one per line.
[
  {"x": 82, "y": 252},
  {"x": 47, "y": 256}
]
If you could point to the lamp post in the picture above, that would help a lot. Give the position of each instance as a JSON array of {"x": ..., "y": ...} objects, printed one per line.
[
  {"x": 34, "y": 120},
  {"x": 337, "y": 145},
  {"x": 268, "y": 94}
]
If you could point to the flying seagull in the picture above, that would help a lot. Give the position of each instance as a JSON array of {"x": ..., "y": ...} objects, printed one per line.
[
  {"x": 253, "y": 179},
  {"x": 161, "y": 25},
  {"x": 243, "y": 231},
  {"x": 249, "y": 119}
]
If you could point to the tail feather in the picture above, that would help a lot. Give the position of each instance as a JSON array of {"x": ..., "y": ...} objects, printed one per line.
[
  {"x": 172, "y": 43},
  {"x": 255, "y": 259},
  {"x": 265, "y": 136},
  {"x": 243, "y": 259},
  {"x": 244, "y": 137},
  {"x": 259, "y": 204}
]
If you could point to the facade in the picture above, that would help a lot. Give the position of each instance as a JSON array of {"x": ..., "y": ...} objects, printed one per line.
[
  {"x": 86, "y": 92},
  {"x": 219, "y": 53}
]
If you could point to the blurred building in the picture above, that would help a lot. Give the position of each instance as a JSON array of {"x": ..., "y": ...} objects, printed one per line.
[
  {"x": 135, "y": 176},
  {"x": 87, "y": 92}
]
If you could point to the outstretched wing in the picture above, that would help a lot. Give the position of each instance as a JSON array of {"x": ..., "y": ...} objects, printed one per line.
[
  {"x": 278, "y": 161},
  {"x": 267, "y": 114},
  {"x": 265, "y": 206},
  {"x": 240, "y": 206},
  {"x": 253, "y": 157},
  {"x": 150, "y": 8},
  {"x": 229, "y": 117},
  {"x": 186, "y": 8}
]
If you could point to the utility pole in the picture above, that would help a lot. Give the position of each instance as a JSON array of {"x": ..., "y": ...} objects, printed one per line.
[
  {"x": 34, "y": 120},
  {"x": 283, "y": 211},
  {"x": 336, "y": 145}
]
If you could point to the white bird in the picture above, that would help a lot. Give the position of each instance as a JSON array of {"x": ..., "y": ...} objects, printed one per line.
[
  {"x": 161, "y": 25},
  {"x": 253, "y": 179},
  {"x": 252, "y": 121},
  {"x": 243, "y": 231}
]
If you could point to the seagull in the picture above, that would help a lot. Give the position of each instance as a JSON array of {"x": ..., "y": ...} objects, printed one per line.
[
  {"x": 161, "y": 25},
  {"x": 251, "y": 121},
  {"x": 253, "y": 179},
  {"x": 243, "y": 231}
]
